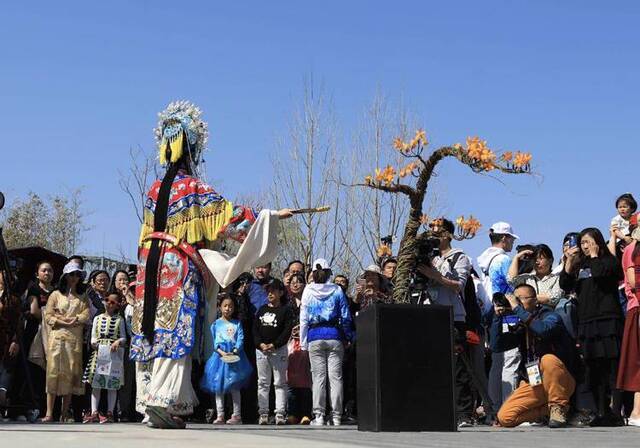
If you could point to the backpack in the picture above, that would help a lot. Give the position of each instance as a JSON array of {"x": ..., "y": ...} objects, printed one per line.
[
  {"x": 485, "y": 284},
  {"x": 469, "y": 298}
]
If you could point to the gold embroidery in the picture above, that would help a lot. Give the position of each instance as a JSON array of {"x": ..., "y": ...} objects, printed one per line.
[{"x": 167, "y": 312}]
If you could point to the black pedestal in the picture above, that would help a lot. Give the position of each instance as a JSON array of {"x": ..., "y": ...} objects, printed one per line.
[{"x": 405, "y": 368}]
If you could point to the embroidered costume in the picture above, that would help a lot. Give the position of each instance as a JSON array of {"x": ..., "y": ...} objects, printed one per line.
[
  {"x": 105, "y": 331},
  {"x": 182, "y": 214}
]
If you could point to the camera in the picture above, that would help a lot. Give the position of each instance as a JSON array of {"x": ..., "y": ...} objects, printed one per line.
[
  {"x": 427, "y": 247},
  {"x": 499, "y": 299}
]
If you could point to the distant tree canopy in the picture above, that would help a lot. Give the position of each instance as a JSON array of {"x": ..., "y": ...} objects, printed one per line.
[{"x": 56, "y": 222}]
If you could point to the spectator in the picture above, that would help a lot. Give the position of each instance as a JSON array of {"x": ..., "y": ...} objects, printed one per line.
[
  {"x": 127, "y": 391},
  {"x": 494, "y": 263},
  {"x": 98, "y": 287},
  {"x": 286, "y": 279},
  {"x": 296, "y": 267},
  {"x": 349, "y": 367},
  {"x": 542, "y": 279},
  {"x": 35, "y": 333},
  {"x": 245, "y": 313},
  {"x": 298, "y": 369},
  {"x": 343, "y": 282},
  {"x": 448, "y": 273},
  {"x": 389, "y": 268},
  {"x": 271, "y": 332},
  {"x": 325, "y": 326},
  {"x": 220, "y": 377},
  {"x": 66, "y": 314},
  {"x": 108, "y": 330},
  {"x": 547, "y": 376},
  {"x": 569, "y": 239},
  {"x": 77, "y": 259},
  {"x": 593, "y": 273},
  {"x": 257, "y": 291},
  {"x": 628, "y": 371},
  {"x": 619, "y": 228},
  {"x": 10, "y": 336},
  {"x": 370, "y": 287}
]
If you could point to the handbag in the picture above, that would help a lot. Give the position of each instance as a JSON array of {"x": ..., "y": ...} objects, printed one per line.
[{"x": 37, "y": 353}]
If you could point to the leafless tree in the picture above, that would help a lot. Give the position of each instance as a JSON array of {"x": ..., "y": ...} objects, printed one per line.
[
  {"x": 136, "y": 179},
  {"x": 305, "y": 166}
]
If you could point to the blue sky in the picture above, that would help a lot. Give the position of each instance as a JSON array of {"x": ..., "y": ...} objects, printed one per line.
[{"x": 81, "y": 82}]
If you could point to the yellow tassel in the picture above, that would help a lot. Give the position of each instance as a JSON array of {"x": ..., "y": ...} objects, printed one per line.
[
  {"x": 175, "y": 144},
  {"x": 193, "y": 225},
  {"x": 176, "y": 147}
]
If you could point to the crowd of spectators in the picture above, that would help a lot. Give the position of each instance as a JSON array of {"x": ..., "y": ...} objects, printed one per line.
[{"x": 536, "y": 342}]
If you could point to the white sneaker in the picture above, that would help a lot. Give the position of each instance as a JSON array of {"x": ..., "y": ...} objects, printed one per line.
[
  {"x": 280, "y": 419},
  {"x": 263, "y": 420},
  {"x": 337, "y": 421},
  {"x": 318, "y": 421},
  {"x": 145, "y": 420},
  {"x": 633, "y": 422}
]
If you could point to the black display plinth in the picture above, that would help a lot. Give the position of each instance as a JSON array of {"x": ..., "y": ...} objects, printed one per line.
[{"x": 405, "y": 368}]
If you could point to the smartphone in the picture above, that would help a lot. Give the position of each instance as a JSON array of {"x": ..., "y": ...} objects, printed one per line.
[{"x": 573, "y": 241}]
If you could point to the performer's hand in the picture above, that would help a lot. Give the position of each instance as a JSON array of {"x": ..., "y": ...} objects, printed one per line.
[
  {"x": 14, "y": 348},
  {"x": 285, "y": 213},
  {"x": 115, "y": 346}
]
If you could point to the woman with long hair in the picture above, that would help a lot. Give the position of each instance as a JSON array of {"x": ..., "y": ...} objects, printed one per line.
[
  {"x": 66, "y": 314},
  {"x": 593, "y": 273}
]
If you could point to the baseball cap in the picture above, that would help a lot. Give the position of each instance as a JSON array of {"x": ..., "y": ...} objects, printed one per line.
[
  {"x": 320, "y": 264},
  {"x": 72, "y": 266},
  {"x": 503, "y": 228}
]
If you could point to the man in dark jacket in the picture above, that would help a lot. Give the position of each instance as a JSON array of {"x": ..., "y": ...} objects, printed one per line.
[{"x": 548, "y": 360}]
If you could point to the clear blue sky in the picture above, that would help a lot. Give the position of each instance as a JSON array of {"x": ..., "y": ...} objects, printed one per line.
[{"x": 81, "y": 82}]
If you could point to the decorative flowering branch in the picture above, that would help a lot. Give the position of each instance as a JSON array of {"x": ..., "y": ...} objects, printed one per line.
[{"x": 420, "y": 166}]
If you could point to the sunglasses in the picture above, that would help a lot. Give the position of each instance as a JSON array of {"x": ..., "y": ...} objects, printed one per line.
[{"x": 74, "y": 274}]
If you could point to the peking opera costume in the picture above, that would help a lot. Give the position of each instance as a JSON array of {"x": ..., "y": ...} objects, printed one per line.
[{"x": 178, "y": 270}]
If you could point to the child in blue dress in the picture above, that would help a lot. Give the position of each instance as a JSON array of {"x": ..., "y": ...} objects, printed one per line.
[{"x": 222, "y": 377}]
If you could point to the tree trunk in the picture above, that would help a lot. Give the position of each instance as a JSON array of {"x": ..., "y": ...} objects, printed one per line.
[{"x": 406, "y": 257}]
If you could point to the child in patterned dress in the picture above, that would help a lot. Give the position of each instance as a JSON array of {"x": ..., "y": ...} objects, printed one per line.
[{"x": 108, "y": 330}]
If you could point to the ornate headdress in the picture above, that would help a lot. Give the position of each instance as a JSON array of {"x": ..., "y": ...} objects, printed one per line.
[{"x": 180, "y": 123}]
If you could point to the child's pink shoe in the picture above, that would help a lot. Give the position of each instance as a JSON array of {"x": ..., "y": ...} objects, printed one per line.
[
  {"x": 219, "y": 420},
  {"x": 235, "y": 420}
]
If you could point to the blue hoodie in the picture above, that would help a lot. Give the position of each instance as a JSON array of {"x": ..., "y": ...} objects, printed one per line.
[{"x": 324, "y": 314}]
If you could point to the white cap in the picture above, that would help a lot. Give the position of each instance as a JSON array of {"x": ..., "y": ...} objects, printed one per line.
[
  {"x": 73, "y": 266},
  {"x": 320, "y": 263},
  {"x": 373, "y": 268},
  {"x": 503, "y": 228}
]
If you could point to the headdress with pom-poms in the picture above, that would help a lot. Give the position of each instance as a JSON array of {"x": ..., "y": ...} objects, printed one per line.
[{"x": 181, "y": 122}]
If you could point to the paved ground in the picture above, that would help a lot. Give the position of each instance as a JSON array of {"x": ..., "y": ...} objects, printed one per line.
[{"x": 124, "y": 435}]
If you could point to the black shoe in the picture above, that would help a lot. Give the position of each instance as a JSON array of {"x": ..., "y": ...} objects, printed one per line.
[{"x": 607, "y": 420}]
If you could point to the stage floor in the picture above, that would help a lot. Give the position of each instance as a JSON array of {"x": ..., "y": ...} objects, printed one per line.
[{"x": 22, "y": 435}]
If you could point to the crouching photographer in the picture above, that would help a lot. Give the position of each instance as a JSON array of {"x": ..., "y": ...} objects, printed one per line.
[
  {"x": 447, "y": 270},
  {"x": 548, "y": 358}
]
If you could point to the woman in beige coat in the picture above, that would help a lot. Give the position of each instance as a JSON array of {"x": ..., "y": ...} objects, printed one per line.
[{"x": 66, "y": 314}]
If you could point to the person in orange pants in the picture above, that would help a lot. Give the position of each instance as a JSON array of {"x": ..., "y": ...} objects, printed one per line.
[
  {"x": 548, "y": 358},
  {"x": 531, "y": 403}
]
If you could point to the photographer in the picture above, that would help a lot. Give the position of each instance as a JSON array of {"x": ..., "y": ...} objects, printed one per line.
[
  {"x": 448, "y": 274},
  {"x": 548, "y": 358}
]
